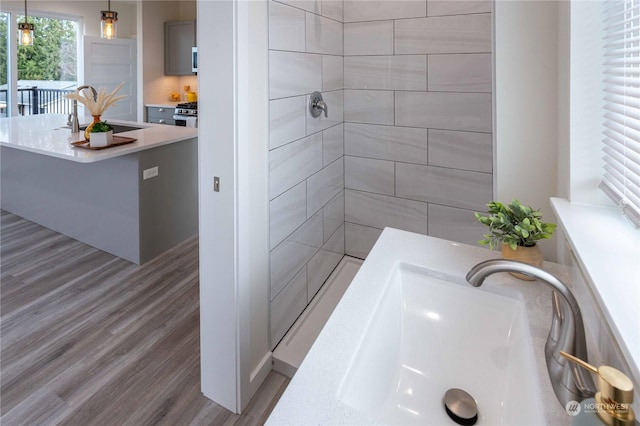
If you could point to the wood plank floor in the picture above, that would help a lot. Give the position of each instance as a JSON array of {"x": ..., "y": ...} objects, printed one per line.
[{"x": 87, "y": 338}]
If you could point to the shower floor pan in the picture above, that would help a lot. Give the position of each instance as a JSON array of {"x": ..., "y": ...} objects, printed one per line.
[{"x": 295, "y": 345}]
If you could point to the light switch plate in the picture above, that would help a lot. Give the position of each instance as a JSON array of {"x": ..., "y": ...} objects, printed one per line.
[{"x": 149, "y": 173}]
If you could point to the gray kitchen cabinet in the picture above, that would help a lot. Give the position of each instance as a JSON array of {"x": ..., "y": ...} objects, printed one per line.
[
  {"x": 161, "y": 115},
  {"x": 179, "y": 38}
]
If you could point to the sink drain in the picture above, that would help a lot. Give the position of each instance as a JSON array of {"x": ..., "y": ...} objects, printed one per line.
[{"x": 461, "y": 407}]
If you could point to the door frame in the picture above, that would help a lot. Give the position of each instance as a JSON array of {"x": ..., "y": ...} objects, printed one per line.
[{"x": 234, "y": 244}]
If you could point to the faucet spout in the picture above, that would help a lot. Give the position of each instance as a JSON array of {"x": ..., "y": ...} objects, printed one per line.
[
  {"x": 567, "y": 334},
  {"x": 86, "y": 86},
  {"x": 73, "y": 118}
]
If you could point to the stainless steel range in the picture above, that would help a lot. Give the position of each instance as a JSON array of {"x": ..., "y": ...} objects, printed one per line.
[{"x": 186, "y": 114}]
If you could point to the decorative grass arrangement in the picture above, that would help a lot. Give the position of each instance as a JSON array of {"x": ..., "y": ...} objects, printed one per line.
[{"x": 102, "y": 101}]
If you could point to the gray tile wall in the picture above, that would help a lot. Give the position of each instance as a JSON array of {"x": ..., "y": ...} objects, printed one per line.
[
  {"x": 418, "y": 118},
  {"x": 306, "y": 166},
  {"x": 408, "y": 139}
]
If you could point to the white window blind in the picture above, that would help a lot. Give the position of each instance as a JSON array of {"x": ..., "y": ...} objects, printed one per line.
[{"x": 621, "y": 179}]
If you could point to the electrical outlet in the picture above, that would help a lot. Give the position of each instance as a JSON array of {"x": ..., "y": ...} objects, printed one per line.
[{"x": 149, "y": 173}]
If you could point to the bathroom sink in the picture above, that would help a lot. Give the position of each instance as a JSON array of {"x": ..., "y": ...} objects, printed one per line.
[
  {"x": 409, "y": 328},
  {"x": 430, "y": 333}
]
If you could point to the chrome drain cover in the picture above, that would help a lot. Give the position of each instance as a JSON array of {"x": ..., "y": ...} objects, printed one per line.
[{"x": 461, "y": 407}]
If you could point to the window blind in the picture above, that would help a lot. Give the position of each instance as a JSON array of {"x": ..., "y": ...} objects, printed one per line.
[{"x": 621, "y": 177}]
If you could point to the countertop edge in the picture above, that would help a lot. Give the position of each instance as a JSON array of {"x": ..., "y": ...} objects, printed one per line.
[
  {"x": 105, "y": 154},
  {"x": 45, "y": 135}
]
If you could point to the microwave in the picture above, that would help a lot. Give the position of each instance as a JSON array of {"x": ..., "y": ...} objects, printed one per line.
[{"x": 194, "y": 59}]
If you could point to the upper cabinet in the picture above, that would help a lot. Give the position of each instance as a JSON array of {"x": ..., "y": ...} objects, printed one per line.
[{"x": 179, "y": 38}]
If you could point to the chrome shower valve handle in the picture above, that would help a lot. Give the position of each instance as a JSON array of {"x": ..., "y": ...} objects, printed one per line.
[{"x": 317, "y": 105}]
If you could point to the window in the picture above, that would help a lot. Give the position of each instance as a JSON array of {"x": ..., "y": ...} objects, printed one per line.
[
  {"x": 621, "y": 180},
  {"x": 45, "y": 71},
  {"x": 53, "y": 56},
  {"x": 4, "y": 63}
]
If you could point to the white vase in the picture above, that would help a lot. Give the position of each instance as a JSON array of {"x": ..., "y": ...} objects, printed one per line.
[{"x": 100, "y": 139}]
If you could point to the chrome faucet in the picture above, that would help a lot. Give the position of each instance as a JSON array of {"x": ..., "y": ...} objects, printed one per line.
[
  {"x": 569, "y": 382},
  {"x": 73, "y": 117}
]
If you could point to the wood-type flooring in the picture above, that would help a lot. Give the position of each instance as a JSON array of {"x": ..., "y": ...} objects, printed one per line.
[{"x": 87, "y": 338}]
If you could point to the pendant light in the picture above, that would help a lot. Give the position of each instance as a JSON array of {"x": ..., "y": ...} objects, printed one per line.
[
  {"x": 25, "y": 30},
  {"x": 109, "y": 23}
]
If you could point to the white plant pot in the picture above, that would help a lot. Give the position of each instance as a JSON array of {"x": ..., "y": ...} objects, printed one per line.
[{"x": 101, "y": 138}]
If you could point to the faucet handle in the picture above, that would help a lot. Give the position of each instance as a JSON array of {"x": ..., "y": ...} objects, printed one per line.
[
  {"x": 317, "y": 105},
  {"x": 616, "y": 392}
]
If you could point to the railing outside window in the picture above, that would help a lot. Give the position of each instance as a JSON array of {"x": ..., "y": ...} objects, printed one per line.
[{"x": 32, "y": 100}]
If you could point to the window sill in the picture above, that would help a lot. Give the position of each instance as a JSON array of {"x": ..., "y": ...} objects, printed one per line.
[{"x": 607, "y": 247}]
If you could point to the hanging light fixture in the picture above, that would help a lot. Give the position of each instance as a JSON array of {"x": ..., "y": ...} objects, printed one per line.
[
  {"x": 25, "y": 30},
  {"x": 109, "y": 23}
]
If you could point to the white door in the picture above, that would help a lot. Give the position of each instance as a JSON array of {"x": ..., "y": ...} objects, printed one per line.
[{"x": 107, "y": 63}]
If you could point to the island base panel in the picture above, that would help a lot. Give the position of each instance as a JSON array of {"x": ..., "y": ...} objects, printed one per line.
[{"x": 95, "y": 203}]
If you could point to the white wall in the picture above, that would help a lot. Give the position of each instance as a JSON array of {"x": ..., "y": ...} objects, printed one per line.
[
  {"x": 564, "y": 69},
  {"x": 585, "y": 163},
  {"x": 219, "y": 310},
  {"x": 253, "y": 200},
  {"x": 526, "y": 63},
  {"x": 233, "y": 145}
]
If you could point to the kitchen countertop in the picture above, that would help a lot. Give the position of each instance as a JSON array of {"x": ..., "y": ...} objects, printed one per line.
[
  {"x": 45, "y": 134},
  {"x": 312, "y": 395}
]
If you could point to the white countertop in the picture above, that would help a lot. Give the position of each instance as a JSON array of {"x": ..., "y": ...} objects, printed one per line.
[
  {"x": 312, "y": 395},
  {"x": 45, "y": 134}
]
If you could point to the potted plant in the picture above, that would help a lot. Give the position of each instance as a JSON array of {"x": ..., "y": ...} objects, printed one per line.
[
  {"x": 101, "y": 134},
  {"x": 516, "y": 228}
]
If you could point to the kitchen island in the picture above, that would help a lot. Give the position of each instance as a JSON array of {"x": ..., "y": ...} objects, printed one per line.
[{"x": 134, "y": 201}]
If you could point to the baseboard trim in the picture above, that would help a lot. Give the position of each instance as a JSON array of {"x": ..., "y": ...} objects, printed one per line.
[{"x": 260, "y": 373}]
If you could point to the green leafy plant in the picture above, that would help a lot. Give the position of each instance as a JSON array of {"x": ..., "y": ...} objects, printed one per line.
[
  {"x": 100, "y": 127},
  {"x": 514, "y": 224}
]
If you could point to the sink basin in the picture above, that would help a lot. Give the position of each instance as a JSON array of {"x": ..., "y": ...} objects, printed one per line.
[
  {"x": 117, "y": 128},
  {"x": 429, "y": 333}
]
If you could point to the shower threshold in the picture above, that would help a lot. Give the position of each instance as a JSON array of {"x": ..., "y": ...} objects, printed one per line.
[{"x": 295, "y": 345}]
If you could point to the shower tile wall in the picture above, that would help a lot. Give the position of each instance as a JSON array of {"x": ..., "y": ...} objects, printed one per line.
[
  {"x": 306, "y": 167},
  {"x": 417, "y": 118},
  {"x": 408, "y": 139}
]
